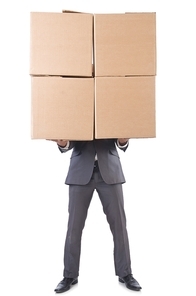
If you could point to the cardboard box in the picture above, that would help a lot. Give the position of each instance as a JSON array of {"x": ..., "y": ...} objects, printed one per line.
[
  {"x": 62, "y": 108},
  {"x": 125, "y": 107},
  {"x": 125, "y": 44},
  {"x": 61, "y": 44}
]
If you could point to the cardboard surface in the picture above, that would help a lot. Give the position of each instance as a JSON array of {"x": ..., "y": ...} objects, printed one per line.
[
  {"x": 62, "y": 108},
  {"x": 61, "y": 44},
  {"x": 119, "y": 102},
  {"x": 125, "y": 44},
  {"x": 125, "y": 107}
]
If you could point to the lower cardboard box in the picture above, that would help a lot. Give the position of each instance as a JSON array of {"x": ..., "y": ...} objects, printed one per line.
[
  {"x": 125, "y": 107},
  {"x": 62, "y": 108},
  {"x": 87, "y": 108}
]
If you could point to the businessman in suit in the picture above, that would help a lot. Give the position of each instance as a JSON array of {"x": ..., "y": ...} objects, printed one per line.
[{"x": 95, "y": 165}]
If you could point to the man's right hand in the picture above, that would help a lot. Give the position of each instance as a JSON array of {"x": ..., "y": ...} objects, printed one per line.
[{"x": 61, "y": 143}]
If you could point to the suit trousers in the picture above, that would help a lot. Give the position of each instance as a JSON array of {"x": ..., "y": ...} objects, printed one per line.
[{"x": 111, "y": 197}]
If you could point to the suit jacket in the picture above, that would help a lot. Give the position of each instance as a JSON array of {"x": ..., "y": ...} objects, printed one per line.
[{"x": 83, "y": 158}]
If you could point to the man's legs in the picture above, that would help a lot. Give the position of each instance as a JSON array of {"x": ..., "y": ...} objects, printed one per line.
[
  {"x": 79, "y": 201},
  {"x": 111, "y": 197}
]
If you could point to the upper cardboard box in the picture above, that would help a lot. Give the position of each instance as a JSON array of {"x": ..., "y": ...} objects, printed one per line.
[
  {"x": 125, "y": 107},
  {"x": 62, "y": 108},
  {"x": 125, "y": 44},
  {"x": 61, "y": 44}
]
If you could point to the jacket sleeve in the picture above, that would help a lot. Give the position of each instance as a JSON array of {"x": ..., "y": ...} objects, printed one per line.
[
  {"x": 124, "y": 147},
  {"x": 63, "y": 149}
]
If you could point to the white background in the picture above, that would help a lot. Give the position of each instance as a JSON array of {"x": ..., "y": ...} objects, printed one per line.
[{"x": 160, "y": 173}]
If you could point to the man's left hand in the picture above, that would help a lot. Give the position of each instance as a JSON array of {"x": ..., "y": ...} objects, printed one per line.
[{"x": 123, "y": 141}]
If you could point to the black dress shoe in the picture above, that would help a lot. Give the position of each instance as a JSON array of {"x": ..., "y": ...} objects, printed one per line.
[
  {"x": 65, "y": 284},
  {"x": 130, "y": 282}
]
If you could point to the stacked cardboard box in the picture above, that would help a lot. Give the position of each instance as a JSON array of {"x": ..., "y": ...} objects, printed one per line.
[
  {"x": 125, "y": 69},
  {"x": 62, "y": 87},
  {"x": 117, "y": 99}
]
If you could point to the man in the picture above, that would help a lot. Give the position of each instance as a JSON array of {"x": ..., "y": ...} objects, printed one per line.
[{"x": 95, "y": 165}]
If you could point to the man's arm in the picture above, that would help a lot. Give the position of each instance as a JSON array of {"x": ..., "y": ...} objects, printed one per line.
[
  {"x": 61, "y": 143},
  {"x": 122, "y": 143},
  {"x": 64, "y": 145}
]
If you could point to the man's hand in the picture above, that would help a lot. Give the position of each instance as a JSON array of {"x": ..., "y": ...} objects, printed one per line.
[
  {"x": 61, "y": 143},
  {"x": 123, "y": 141}
]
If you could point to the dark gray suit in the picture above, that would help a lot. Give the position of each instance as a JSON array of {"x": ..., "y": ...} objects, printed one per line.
[{"x": 107, "y": 178}]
